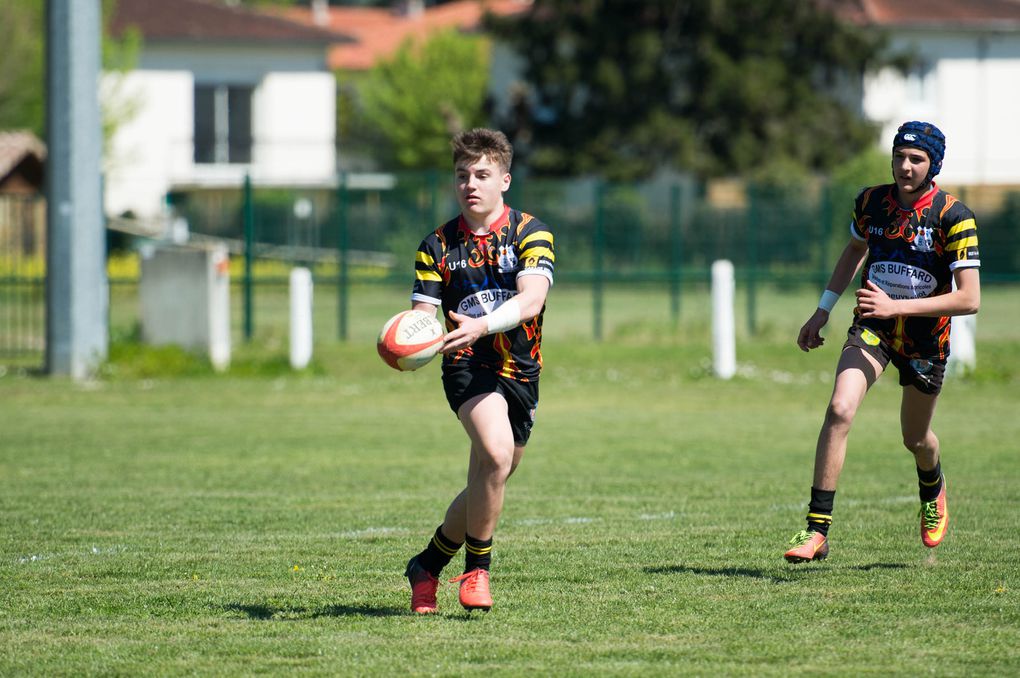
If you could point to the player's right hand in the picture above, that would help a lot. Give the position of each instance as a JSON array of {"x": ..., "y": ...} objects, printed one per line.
[
  {"x": 810, "y": 336},
  {"x": 468, "y": 331}
]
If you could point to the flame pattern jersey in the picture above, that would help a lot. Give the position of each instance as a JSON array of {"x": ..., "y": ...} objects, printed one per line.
[
  {"x": 474, "y": 274},
  {"x": 912, "y": 253}
]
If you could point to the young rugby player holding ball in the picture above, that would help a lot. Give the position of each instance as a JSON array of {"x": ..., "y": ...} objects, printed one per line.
[{"x": 490, "y": 270}]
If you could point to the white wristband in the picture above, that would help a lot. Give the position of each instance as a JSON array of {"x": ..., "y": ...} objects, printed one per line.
[
  {"x": 828, "y": 300},
  {"x": 506, "y": 317}
]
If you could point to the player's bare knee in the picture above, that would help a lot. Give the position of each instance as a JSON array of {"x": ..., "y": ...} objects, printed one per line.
[
  {"x": 925, "y": 444},
  {"x": 840, "y": 413},
  {"x": 496, "y": 460}
]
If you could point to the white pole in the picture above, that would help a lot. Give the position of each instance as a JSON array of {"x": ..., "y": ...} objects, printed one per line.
[
  {"x": 300, "y": 318},
  {"x": 962, "y": 345},
  {"x": 724, "y": 346},
  {"x": 219, "y": 307}
]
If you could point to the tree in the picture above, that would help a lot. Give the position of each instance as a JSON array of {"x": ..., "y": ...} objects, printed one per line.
[
  {"x": 23, "y": 72},
  {"x": 718, "y": 87},
  {"x": 416, "y": 100}
]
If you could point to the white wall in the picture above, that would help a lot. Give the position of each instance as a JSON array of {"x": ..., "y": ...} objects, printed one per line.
[
  {"x": 294, "y": 127},
  {"x": 972, "y": 93},
  {"x": 154, "y": 146},
  {"x": 293, "y": 121}
]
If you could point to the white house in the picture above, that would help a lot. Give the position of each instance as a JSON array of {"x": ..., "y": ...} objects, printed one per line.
[
  {"x": 967, "y": 80},
  {"x": 219, "y": 92}
]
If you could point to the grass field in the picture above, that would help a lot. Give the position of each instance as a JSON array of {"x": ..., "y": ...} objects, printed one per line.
[{"x": 258, "y": 522}]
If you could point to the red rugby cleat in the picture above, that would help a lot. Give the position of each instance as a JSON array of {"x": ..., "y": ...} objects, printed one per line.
[{"x": 423, "y": 587}]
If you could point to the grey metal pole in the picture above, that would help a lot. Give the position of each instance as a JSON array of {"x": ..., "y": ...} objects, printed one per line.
[{"x": 77, "y": 289}]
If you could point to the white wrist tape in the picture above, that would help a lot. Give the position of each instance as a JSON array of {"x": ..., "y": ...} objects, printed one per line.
[
  {"x": 828, "y": 300},
  {"x": 506, "y": 317}
]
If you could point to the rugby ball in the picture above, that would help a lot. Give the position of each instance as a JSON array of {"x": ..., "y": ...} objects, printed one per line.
[{"x": 409, "y": 340}]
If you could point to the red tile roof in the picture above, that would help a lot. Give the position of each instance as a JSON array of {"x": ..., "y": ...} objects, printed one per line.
[
  {"x": 931, "y": 13},
  {"x": 379, "y": 32},
  {"x": 208, "y": 21}
]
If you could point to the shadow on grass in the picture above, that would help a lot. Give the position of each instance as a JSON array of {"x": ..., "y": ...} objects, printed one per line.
[
  {"x": 790, "y": 575},
  {"x": 295, "y": 613},
  {"x": 720, "y": 572},
  {"x": 877, "y": 566}
]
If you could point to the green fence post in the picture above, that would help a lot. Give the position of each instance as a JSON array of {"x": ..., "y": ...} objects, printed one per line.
[
  {"x": 248, "y": 217},
  {"x": 432, "y": 181},
  {"x": 674, "y": 254},
  {"x": 513, "y": 194},
  {"x": 825, "y": 228},
  {"x": 342, "y": 251},
  {"x": 597, "y": 247},
  {"x": 751, "y": 235}
]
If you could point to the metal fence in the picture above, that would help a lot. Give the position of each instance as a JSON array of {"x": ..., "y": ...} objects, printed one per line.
[
  {"x": 665, "y": 232},
  {"x": 22, "y": 279}
]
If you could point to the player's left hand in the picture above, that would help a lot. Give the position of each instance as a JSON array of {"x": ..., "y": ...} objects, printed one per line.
[
  {"x": 873, "y": 302},
  {"x": 469, "y": 330}
]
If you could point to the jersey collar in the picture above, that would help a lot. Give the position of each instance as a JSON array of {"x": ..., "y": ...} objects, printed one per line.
[
  {"x": 494, "y": 227},
  {"x": 921, "y": 203}
]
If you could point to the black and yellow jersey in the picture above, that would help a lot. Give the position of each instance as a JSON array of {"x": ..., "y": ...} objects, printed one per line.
[
  {"x": 474, "y": 274},
  {"x": 912, "y": 253}
]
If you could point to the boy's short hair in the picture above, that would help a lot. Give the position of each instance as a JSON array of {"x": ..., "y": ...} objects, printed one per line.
[{"x": 475, "y": 143}]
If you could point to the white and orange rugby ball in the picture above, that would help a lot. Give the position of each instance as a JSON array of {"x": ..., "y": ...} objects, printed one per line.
[{"x": 410, "y": 339}]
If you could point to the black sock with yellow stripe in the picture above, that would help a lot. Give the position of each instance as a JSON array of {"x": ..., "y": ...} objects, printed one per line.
[
  {"x": 478, "y": 553},
  {"x": 438, "y": 553},
  {"x": 819, "y": 515},
  {"x": 929, "y": 483}
]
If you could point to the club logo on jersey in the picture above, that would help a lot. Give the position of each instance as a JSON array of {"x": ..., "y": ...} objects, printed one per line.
[
  {"x": 869, "y": 337},
  {"x": 507, "y": 259},
  {"x": 484, "y": 302},
  {"x": 902, "y": 281},
  {"x": 923, "y": 241}
]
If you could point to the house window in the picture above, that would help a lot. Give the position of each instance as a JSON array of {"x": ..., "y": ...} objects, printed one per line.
[{"x": 223, "y": 124}]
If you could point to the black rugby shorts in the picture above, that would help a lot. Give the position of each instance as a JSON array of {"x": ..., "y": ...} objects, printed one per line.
[
  {"x": 923, "y": 374},
  {"x": 463, "y": 383}
]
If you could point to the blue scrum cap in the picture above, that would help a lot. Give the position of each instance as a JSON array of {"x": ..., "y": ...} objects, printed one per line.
[{"x": 928, "y": 138}]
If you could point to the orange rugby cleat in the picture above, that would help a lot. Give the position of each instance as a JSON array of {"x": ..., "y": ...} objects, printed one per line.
[
  {"x": 807, "y": 546},
  {"x": 934, "y": 518},
  {"x": 474, "y": 589}
]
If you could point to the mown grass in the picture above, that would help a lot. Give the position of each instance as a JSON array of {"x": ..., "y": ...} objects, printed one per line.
[{"x": 169, "y": 523}]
